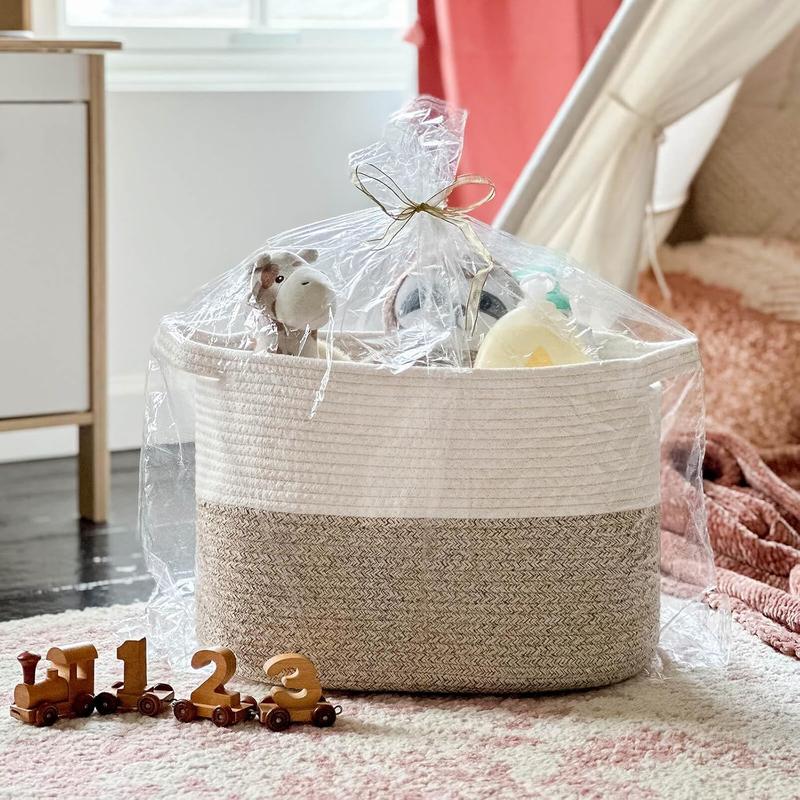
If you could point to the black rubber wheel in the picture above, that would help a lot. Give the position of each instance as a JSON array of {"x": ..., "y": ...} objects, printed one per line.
[
  {"x": 83, "y": 705},
  {"x": 46, "y": 715},
  {"x": 106, "y": 703},
  {"x": 184, "y": 711},
  {"x": 149, "y": 705},
  {"x": 324, "y": 715},
  {"x": 252, "y": 711},
  {"x": 278, "y": 719},
  {"x": 222, "y": 717}
]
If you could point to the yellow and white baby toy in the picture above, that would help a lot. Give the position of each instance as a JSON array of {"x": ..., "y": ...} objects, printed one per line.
[{"x": 535, "y": 334}]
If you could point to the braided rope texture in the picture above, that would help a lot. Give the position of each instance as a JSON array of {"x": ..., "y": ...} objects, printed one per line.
[
  {"x": 432, "y": 604},
  {"x": 445, "y": 444}
]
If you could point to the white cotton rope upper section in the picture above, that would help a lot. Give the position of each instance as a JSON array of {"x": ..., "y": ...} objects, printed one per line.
[{"x": 427, "y": 442}]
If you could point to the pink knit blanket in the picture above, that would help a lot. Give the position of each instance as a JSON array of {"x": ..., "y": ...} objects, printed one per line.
[{"x": 752, "y": 503}]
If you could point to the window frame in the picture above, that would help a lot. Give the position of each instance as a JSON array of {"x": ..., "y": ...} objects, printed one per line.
[{"x": 258, "y": 58}]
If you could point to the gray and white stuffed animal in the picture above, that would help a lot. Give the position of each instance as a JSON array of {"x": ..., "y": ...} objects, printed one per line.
[
  {"x": 412, "y": 299},
  {"x": 297, "y": 298}
]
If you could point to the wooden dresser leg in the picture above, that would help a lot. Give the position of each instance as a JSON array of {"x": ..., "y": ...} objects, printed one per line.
[
  {"x": 93, "y": 472},
  {"x": 93, "y": 458}
]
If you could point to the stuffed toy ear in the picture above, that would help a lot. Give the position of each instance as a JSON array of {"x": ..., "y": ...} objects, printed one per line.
[
  {"x": 264, "y": 260},
  {"x": 308, "y": 255},
  {"x": 264, "y": 272},
  {"x": 390, "y": 321}
]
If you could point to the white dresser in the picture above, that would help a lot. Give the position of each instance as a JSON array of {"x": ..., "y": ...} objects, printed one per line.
[{"x": 52, "y": 248}]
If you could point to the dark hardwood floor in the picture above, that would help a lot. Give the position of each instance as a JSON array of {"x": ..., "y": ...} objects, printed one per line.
[{"x": 50, "y": 560}]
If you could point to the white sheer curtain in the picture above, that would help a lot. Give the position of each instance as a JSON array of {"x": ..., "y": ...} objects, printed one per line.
[{"x": 684, "y": 51}]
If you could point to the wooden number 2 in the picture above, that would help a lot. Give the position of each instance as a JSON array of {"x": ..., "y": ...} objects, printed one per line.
[
  {"x": 212, "y": 692},
  {"x": 299, "y": 677}
]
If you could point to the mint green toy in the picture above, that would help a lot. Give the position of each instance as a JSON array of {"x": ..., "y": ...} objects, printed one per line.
[{"x": 555, "y": 295}]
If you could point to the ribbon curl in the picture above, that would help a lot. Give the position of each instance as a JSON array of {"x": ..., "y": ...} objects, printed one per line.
[{"x": 436, "y": 206}]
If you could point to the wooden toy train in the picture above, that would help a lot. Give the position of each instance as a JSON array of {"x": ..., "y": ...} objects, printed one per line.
[{"x": 68, "y": 689}]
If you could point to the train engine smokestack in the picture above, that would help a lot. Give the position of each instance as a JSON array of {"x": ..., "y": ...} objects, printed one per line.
[{"x": 28, "y": 661}]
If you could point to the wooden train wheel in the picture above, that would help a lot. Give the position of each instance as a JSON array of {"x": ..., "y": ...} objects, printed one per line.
[
  {"x": 253, "y": 710},
  {"x": 106, "y": 703},
  {"x": 278, "y": 719},
  {"x": 324, "y": 715},
  {"x": 222, "y": 716},
  {"x": 149, "y": 705},
  {"x": 184, "y": 711},
  {"x": 83, "y": 705},
  {"x": 46, "y": 715}
]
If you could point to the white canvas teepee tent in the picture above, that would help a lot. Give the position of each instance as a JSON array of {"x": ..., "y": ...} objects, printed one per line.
[{"x": 588, "y": 184}]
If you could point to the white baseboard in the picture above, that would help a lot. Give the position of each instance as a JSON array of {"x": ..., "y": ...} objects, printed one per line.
[{"x": 125, "y": 408}]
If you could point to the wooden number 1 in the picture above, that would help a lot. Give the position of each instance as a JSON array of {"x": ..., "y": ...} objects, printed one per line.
[
  {"x": 299, "y": 677},
  {"x": 133, "y": 655},
  {"x": 212, "y": 692}
]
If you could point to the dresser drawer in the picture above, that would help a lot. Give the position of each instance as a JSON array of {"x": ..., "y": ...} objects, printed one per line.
[
  {"x": 43, "y": 76},
  {"x": 44, "y": 291}
]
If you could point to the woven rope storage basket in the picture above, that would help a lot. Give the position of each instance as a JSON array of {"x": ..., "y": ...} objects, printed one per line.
[{"x": 431, "y": 530}]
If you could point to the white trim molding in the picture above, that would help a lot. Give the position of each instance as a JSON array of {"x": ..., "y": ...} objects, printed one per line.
[
  {"x": 125, "y": 419},
  {"x": 282, "y": 69}
]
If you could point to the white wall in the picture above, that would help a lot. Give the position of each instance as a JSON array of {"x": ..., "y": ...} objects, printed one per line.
[{"x": 196, "y": 181}]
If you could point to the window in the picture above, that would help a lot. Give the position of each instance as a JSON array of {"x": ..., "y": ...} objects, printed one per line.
[
  {"x": 330, "y": 13},
  {"x": 243, "y": 15},
  {"x": 249, "y": 44},
  {"x": 157, "y": 13}
]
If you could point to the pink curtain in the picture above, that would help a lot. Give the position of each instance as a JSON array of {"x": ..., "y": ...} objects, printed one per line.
[{"x": 510, "y": 63}]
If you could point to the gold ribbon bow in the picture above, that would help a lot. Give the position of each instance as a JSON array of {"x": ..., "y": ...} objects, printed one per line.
[{"x": 436, "y": 206}]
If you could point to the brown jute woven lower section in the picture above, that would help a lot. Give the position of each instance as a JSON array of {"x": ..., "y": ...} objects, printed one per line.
[{"x": 478, "y": 605}]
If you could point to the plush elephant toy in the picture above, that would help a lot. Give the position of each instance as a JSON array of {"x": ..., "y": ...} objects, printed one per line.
[{"x": 297, "y": 298}]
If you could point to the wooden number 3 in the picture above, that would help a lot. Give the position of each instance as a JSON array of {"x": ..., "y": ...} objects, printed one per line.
[{"x": 298, "y": 675}]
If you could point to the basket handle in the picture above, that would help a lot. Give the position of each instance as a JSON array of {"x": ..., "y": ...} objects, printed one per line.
[
  {"x": 196, "y": 354},
  {"x": 670, "y": 361}
]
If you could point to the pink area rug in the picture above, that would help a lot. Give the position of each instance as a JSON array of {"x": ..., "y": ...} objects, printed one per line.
[{"x": 713, "y": 735}]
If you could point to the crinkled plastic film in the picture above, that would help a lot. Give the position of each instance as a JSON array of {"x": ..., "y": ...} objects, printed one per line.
[{"x": 401, "y": 305}]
